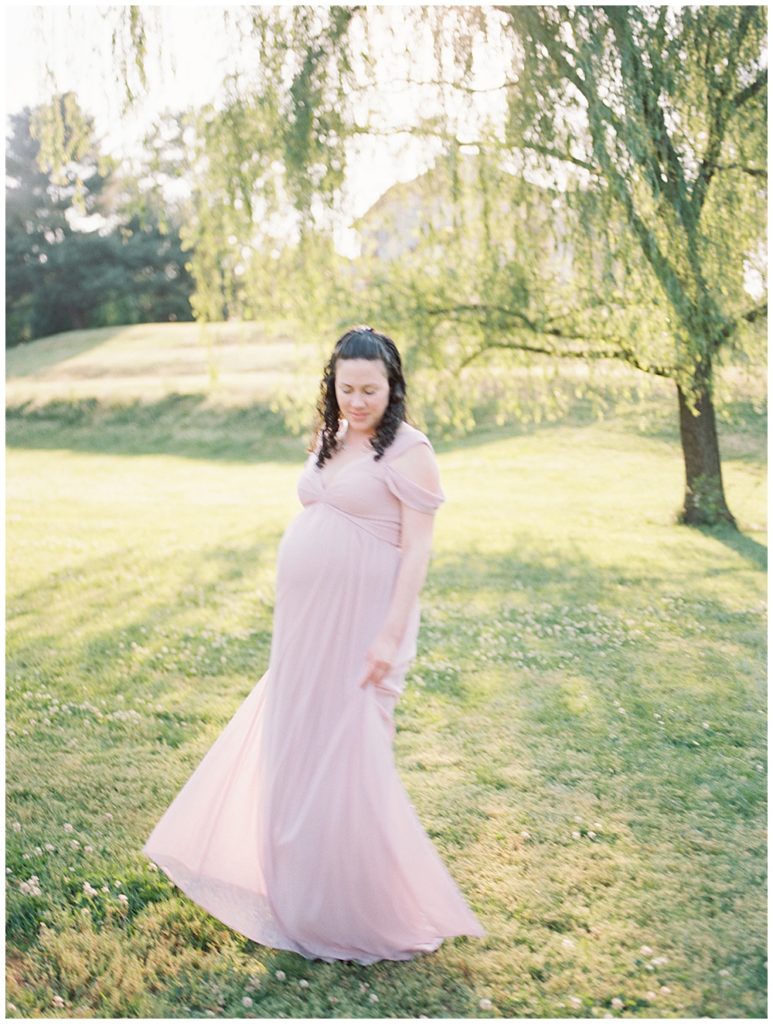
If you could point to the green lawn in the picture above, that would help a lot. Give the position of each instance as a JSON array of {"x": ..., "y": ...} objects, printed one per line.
[{"x": 583, "y": 732}]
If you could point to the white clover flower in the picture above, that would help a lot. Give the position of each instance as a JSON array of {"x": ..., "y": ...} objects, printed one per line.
[
  {"x": 567, "y": 942},
  {"x": 67, "y": 827},
  {"x": 303, "y": 983},
  {"x": 618, "y": 1003},
  {"x": 50, "y": 847},
  {"x": 485, "y": 1004},
  {"x": 525, "y": 834},
  {"x": 665, "y": 990},
  {"x": 646, "y": 950},
  {"x": 246, "y": 1001},
  {"x": 576, "y": 835},
  {"x": 123, "y": 897},
  {"x": 17, "y": 826},
  {"x": 74, "y": 844},
  {"x": 650, "y": 996},
  {"x": 280, "y": 975},
  {"x": 658, "y": 960},
  {"x": 57, "y": 1001},
  {"x": 575, "y": 1001},
  {"x": 591, "y": 834},
  {"x": 373, "y": 997}
]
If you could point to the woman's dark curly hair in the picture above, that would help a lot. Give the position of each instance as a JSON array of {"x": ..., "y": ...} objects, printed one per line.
[{"x": 360, "y": 343}]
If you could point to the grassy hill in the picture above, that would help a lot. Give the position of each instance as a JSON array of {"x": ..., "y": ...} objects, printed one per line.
[{"x": 583, "y": 732}]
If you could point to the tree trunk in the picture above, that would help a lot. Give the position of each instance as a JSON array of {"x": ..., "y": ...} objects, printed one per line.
[{"x": 704, "y": 499}]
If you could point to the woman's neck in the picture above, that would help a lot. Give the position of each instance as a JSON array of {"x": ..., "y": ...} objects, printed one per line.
[{"x": 354, "y": 436}]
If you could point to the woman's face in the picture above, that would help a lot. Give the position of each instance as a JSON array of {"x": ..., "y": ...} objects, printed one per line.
[{"x": 362, "y": 392}]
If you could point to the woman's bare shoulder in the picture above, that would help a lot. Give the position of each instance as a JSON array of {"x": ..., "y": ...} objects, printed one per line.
[{"x": 418, "y": 462}]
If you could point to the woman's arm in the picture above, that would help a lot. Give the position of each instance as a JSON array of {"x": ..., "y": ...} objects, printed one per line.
[{"x": 419, "y": 465}]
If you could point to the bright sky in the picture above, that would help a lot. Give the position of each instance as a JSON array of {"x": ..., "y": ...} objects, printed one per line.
[{"x": 59, "y": 47}]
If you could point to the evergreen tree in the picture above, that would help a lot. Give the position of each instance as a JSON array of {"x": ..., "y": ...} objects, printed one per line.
[{"x": 62, "y": 273}]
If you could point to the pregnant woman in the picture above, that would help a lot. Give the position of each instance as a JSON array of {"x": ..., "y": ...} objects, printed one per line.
[{"x": 295, "y": 828}]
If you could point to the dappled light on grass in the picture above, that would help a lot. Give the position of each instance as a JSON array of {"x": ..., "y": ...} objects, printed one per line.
[{"x": 582, "y": 733}]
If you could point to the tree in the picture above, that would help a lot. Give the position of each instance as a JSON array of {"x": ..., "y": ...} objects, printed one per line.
[
  {"x": 660, "y": 113},
  {"x": 61, "y": 271},
  {"x": 35, "y": 221},
  {"x": 650, "y": 120},
  {"x": 673, "y": 136}
]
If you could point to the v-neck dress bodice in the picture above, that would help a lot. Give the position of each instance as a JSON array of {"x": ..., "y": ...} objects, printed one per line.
[
  {"x": 295, "y": 829},
  {"x": 369, "y": 490}
]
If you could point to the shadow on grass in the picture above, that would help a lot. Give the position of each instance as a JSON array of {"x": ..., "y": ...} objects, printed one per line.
[
  {"x": 756, "y": 554},
  {"x": 516, "y": 723},
  {"x": 186, "y": 425},
  {"x": 180, "y": 425},
  {"x": 541, "y": 626},
  {"x": 44, "y": 353}
]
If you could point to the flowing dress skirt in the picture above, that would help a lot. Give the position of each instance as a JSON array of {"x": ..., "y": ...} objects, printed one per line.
[{"x": 295, "y": 829}]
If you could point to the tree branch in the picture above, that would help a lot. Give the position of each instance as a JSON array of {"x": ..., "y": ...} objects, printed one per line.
[
  {"x": 521, "y": 346},
  {"x": 751, "y": 90},
  {"x": 619, "y": 350},
  {"x": 658, "y": 158},
  {"x": 537, "y": 30},
  {"x": 757, "y": 172},
  {"x": 756, "y": 313},
  {"x": 718, "y": 117}
]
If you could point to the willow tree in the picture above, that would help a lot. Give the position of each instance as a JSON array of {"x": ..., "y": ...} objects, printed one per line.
[
  {"x": 659, "y": 113},
  {"x": 671, "y": 130},
  {"x": 653, "y": 117}
]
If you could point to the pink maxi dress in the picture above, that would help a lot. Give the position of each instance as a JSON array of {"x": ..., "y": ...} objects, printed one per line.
[{"x": 295, "y": 828}]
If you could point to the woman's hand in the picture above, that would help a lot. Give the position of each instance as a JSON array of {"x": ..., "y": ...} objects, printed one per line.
[{"x": 380, "y": 658}]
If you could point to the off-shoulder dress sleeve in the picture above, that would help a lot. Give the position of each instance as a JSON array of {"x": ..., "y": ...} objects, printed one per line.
[{"x": 410, "y": 492}]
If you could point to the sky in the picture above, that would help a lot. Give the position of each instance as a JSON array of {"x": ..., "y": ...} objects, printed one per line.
[
  {"x": 61, "y": 46},
  {"x": 58, "y": 47}
]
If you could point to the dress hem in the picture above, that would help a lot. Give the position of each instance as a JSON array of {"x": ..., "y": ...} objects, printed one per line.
[{"x": 195, "y": 889}]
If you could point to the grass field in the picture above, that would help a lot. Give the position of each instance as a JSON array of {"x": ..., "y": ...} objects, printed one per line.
[{"x": 583, "y": 732}]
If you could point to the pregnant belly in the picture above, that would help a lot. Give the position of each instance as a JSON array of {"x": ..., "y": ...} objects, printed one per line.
[{"x": 323, "y": 549}]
